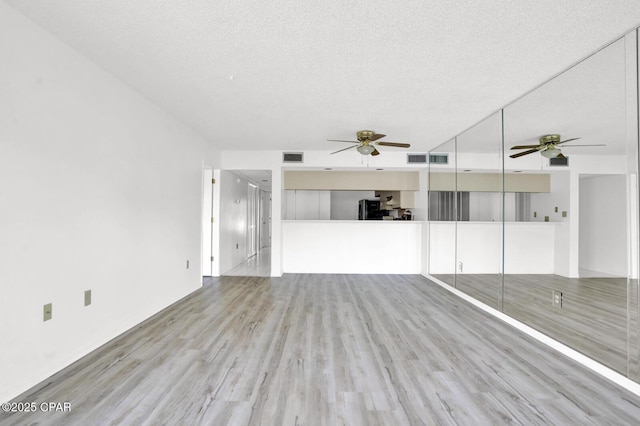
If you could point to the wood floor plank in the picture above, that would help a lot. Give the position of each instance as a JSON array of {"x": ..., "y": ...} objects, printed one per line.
[{"x": 327, "y": 350}]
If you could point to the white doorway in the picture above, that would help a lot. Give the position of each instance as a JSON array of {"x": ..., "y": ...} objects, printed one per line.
[
  {"x": 253, "y": 219},
  {"x": 245, "y": 223},
  {"x": 207, "y": 222},
  {"x": 603, "y": 228}
]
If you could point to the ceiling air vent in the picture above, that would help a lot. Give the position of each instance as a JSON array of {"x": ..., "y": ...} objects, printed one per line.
[
  {"x": 292, "y": 157},
  {"x": 416, "y": 158},
  {"x": 559, "y": 161},
  {"x": 439, "y": 158}
]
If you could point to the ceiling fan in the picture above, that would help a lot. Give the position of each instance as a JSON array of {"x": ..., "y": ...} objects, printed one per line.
[
  {"x": 366, "y": 141},
  {"x": 547, "y": 147}
]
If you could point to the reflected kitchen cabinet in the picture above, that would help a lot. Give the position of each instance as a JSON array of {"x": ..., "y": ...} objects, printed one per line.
[{"x": 390, "y": 200}]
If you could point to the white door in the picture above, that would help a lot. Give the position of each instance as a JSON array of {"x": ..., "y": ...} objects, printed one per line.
[
  {"x": 265, "y": 219},
  {"x": 207, "y": 228},
  {"x": 253, "y": 207}
]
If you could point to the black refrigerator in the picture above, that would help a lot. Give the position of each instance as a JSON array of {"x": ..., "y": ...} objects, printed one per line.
[{"x": 369, "y": 210}]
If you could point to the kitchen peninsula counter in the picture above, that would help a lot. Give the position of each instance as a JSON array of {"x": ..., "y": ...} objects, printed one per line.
[{"x": 352, "y": 246}]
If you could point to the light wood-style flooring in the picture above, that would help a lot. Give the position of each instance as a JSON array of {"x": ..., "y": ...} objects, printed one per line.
[
  {"x": 256, "y": 266},
  {"x": 591, "y": 320},
  {"x": 328, "y": 350}
]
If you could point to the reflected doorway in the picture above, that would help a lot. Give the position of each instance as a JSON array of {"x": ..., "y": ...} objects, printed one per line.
[{"x": 603, "y": 226}]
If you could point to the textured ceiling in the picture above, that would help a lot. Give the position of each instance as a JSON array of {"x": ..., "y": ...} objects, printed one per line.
[{"x": 288, "y": 74}]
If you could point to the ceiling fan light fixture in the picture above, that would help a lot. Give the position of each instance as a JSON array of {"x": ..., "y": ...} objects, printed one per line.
[
  {"x": 366, "y": 141},
  {"x": 551, "y": 153},
  {"x": 365, "y": 149}
]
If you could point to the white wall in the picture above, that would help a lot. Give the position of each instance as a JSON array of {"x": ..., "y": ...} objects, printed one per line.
[
  {"x": 564, "y": 195},
  {"x": 485, "y": 206},
  {"x": 479, "y": 248},
  {"x": 442, "y": 248},
  {"x": 389, "y": 159},
  {"x": 603, "y": 224},
  {"x": 544, "y": 204},
  {"x": 530, "y": 248},
  {"x": 352, "y": 247},
  {"x": 509, "y": 207},
  {"x": 450, "y": 243},
  {"x": 100, "y": 190}
]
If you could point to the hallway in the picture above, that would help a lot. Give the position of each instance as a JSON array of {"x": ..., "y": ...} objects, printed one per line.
[{"x": 256, "y": 266}]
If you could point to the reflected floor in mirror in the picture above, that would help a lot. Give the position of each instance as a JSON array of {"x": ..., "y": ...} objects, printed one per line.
[
  {"x": 592, "y": 317},
  {"x": 324, "y": 350}
]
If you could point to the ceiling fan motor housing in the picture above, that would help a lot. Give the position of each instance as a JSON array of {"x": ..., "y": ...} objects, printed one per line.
[
  {"x": 365, "y": 135},
  {"x": 550, "y": 139}
]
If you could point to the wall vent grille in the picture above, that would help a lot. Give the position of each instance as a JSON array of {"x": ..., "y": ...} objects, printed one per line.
[
  {"x": 439, "y": 158},
  {"x": 292, "y": 157},
  {"x": 416, "y": 158},
  {"x": 559, "y": 161}
]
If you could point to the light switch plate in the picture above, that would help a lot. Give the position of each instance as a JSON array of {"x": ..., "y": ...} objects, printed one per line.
[
  {"x": 87, "y": 297},
  {"x": 47, "y": 312}
]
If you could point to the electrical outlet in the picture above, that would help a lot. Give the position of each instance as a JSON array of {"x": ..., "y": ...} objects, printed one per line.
[
  {"x": 535, "y": 214},
  {"x": 87, "y": 297},
  {"x": 187, "y": 264},
  {"x": 237, "y": 245},
  {"x": 556, "y": 210},
  {"x": 564, "y": 214},
  {"x": 47, "y": 312},
  {"x": 546, "y": 218},
  {"x": 459, "y": 266},
  {"x": 556, "y": 299}
]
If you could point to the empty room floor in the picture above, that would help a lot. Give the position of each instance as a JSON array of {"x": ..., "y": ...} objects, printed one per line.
[{"x": 324, "y": 350}]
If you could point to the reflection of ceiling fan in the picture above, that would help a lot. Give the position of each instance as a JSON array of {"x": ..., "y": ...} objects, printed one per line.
[
  {"x": 366, "y": 141},
  {"x": 547, "y": 147}
]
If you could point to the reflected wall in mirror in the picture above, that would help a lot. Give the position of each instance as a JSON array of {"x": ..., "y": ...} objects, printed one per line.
[
  {"x": 442, "y": 212},
  {"x": 479, "y": 226},
  {"x": 566, "y": 265},
  {"x": 565, "y": 190}
]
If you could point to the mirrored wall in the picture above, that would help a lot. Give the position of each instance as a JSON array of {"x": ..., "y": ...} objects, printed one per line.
[
  {"x": 535, "y": 213},
  {"x": 479, "y": 182},
  {"x": 443, "y": 212}
]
